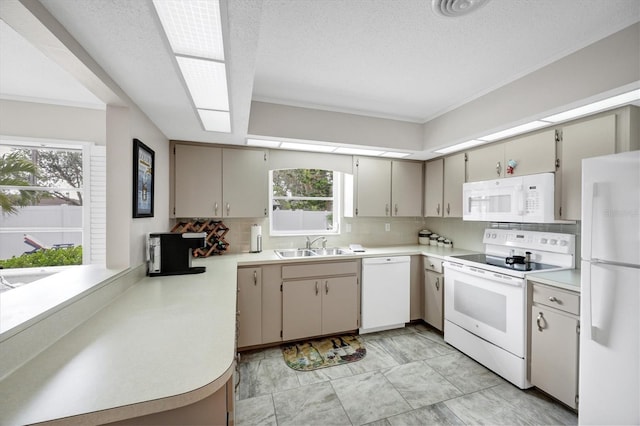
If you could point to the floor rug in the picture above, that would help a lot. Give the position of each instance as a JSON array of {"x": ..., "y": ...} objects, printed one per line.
[{"x": 321, "y": 353}]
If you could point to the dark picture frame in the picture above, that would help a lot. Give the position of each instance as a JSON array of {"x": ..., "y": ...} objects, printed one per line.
[{"x": 143, "y": 179}]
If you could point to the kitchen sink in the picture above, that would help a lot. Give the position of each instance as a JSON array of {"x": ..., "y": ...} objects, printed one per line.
[{"x": 303, "y": 252}]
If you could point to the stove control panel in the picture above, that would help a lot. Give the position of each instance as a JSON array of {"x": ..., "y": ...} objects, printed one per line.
[{"x": 546, "y": 241}]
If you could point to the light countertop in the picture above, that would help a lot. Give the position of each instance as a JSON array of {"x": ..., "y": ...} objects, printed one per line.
[
  {"x": 568, "y": 279},
  {"x": 163, "y": 337}
]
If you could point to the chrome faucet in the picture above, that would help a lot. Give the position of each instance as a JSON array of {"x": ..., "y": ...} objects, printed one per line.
[{"x": 310, "y": 242}]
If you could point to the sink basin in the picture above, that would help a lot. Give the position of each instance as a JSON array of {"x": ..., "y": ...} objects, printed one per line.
[
  {"x": 330, "y": 251},
  {"x": 289, "y": 253},
  {"x": 301, "y": 252}
]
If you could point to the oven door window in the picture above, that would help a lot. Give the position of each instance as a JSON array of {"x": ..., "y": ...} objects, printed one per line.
[{"x": 488, "y": 308}]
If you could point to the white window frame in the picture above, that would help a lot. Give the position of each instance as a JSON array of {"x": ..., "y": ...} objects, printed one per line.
[
  {"x": 337, "y": 185},
  {"x": 85, "y": 147}
]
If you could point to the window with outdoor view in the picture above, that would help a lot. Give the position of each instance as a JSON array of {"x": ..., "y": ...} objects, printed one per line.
[
  {"x": 44, "y": 202},
  {"x": 304, "y": 201}
]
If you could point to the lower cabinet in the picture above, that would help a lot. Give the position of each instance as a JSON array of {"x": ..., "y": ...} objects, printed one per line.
[
  {"x": 259, "y": 313},
  {"x": 416, "y": 295},
  {"x": 433, "y": 292},
  {"x": 555, "y": 326},
  {"x": 319, "y": 298}
]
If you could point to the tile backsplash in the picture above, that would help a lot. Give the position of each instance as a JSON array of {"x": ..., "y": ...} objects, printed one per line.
[{"x": 371, "y": 232}]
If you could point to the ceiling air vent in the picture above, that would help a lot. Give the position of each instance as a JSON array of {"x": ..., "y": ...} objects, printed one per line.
[{"x": 454, "y": 8}]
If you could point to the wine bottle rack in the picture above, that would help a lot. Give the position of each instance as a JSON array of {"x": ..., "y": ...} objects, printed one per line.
[{"x": 215, "y": 241}]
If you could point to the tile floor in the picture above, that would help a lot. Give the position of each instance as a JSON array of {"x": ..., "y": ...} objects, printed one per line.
[{"x": 409, "y": 376}]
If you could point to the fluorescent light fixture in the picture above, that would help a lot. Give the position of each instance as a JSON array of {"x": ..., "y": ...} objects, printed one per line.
[
  {"x": 215, "y": 121},
  {"x": 307, "y": 147},
  {"x": 602, "y": 105},
  {"x": 514, "y": 131},
  {"x": 460, "y": 146},
  {"x": 263, "y": 143},
  {"x": 357, "y": 151},
  {"x": 193, "y": 27},
  {"x": 207, "y": 82},
  {"x": 391, "y": 154}
]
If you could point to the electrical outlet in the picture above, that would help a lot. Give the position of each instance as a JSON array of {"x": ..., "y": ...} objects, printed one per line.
[
  {"x": 387, "y": 227},
  {"x": 347, "y": 227}
]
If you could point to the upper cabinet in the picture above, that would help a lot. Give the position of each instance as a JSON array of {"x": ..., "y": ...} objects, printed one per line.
[
  {"x": 454, "y": 177},
  {"x": 433, "y": 188},
  {"x": 219, "y": 182},
  {"x": 582, "y": 140},
  {"x": 387, "y": 188},
  {"x": 531, "y": 154},
  {"x": 406, "y": 188}
]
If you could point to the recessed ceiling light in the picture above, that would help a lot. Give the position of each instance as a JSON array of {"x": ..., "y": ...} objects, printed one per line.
[
  {"x": 514, "y": 131},
  {"x": 206, "y": 81},
  {"x": 602, "y": 105},
  {"x": 193, "y": 27},
  {"x": 215, "y": 121},
  {"x": 460, "y": 146}
]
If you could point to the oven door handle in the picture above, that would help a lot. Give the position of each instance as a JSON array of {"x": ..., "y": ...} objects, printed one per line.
[{"x": 483, "y": 273}]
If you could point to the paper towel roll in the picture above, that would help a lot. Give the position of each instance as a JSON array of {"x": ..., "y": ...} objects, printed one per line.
[{"x": 256, "y": 239}]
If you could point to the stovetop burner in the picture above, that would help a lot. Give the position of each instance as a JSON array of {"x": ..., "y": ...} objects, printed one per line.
[{"x": 501, "y": 262}]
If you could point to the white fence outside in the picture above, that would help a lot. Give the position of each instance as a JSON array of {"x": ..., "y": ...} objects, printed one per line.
[
  {"x": 55, "y": 225},
  {"x": 300, "y": 220}
]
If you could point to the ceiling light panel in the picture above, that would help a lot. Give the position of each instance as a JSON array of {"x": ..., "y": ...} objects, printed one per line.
[
  {"x": 193, "y": 27},
  {"x": 307, "y": 147},
  {"x": 602, "y": 105},
  {"x": 357, "y": 151},
  {"x": 215, "y": 121},
  {"x": 514, "y": 131},
  {"x": 460, "y": 146},
  {"x": 207, "y": 82}
]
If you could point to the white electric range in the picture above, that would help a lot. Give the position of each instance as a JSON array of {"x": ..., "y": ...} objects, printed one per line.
[{"x": 486, "y": 296}]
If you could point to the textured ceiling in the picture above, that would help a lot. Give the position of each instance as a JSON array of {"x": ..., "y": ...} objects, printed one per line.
[{"x": 383, "y": 58}]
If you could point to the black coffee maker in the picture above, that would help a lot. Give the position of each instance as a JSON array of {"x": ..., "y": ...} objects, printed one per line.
[{"x": 170, "y": 253}]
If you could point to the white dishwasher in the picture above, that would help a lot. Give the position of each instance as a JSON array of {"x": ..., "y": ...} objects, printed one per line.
[{"x": 385, "y": 293}]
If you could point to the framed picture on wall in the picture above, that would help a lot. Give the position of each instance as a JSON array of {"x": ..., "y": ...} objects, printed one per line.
[{"x": 143, "y": 179}]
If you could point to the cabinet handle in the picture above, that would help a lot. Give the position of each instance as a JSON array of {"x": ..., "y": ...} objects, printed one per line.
[
  {"x": 396, "y": 209},
  {"x": 255, "y": 277},
  {"x": 448, "y": 209},
  {"x": 326, "y": 287},
  {"x": 438, "y": 209},
  {"x": 386, "y": 209},
  {"x": 498, "y": 168},
  {"x": 215, "y": 209},
  {"x": 228, "y": 208},
  {"x": 317, "y": 288},
  {"x": 438, "y": 283},
  {"x": 539, "y": 320},
  {"x": 553, "y": 299}
]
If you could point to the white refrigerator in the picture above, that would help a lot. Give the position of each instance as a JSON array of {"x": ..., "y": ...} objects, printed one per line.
[{"x": 609, "y": 387}]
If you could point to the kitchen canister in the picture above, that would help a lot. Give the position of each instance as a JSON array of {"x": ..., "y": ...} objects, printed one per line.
[
  {"x": 433, "y": 239},
  {"x": 441, "y": 241},
  {"x": 256, "y": 239},
  {"x": 423, "y": 236},
  {"x": 448, "y": 243}
]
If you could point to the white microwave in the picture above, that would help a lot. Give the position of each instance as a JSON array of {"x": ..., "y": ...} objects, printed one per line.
[{"x": 515, "y": 199}]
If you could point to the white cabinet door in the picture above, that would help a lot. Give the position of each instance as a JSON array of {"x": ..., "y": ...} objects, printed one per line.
[
  {"x": 454, "y": 177},
  {"x": 198, "y": 183},
  {"x": 245, "y": 183},
  {"x": 533, "y": 154},
  {"x": 587, "y": 139},
  {"x": 373, "y": 187},
  {"x": 433, "y": 188},
  {"x": 406, "y": 188},
  {"x": 486, "y": 163}
]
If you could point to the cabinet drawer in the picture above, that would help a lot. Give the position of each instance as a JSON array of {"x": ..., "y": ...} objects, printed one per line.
[
  {"x": 319, "y": 269},
  {"x": 556, "y": 298},
  {"x": 433, "y": 264}
]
